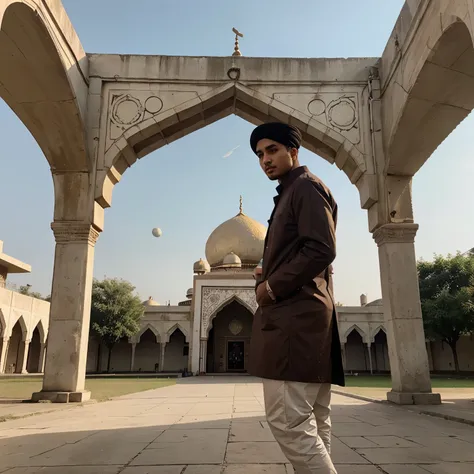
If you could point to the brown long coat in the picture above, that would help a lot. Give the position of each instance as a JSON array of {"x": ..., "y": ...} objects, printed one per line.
[{"x": 296, "y": 338}]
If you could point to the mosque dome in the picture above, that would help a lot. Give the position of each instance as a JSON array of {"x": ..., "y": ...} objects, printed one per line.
[
  {"x": 378, "y": 302},
  {"x": 241, "y": 236},
  {"x": 189, "y": 293},
  {"x": 201, "y": 266},
  {"x": 151, "y": 302},
  {"x": 232, "y": 260}
]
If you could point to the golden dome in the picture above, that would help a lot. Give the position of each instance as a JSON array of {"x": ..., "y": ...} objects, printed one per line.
[
  {"x": 151, "y": 302},
  {"x": 201, "y": 266},
  {"x": 240, "y": 235}
]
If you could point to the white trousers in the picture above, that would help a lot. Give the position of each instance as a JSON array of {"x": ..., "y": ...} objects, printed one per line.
[{"x": 299, "y": 417}]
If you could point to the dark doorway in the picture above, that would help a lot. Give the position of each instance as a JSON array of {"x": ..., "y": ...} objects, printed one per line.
[{"x": 235, "y": 355}]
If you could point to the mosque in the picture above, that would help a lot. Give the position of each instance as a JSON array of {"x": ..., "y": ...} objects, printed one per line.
[{"x": 209, "y": 331}]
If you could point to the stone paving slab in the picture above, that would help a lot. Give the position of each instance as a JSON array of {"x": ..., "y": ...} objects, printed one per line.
[{"x": 208, "y": 425}]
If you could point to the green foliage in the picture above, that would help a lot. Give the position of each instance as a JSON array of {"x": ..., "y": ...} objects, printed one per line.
[
  {"x": 26, "y": 290},
  {"x": 447, "y": 298},
  {"x": 115, "y": 311}
]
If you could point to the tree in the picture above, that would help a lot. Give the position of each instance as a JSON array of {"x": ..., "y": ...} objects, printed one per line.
[
  {"x": 26, "y": 290},
  {"x": 447, "y": 298},
  {"x": 115, "y": 311}
]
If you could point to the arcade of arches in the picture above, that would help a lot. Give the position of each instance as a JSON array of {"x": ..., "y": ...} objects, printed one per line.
[{"x": 95, "y": 115}]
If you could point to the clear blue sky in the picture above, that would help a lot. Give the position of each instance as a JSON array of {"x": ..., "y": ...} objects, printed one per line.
[{"x": 188, "y": 188}]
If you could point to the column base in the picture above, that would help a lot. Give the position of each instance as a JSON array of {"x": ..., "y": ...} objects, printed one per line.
[
  {"x": 62, "y": 397},
  {"x": 414, "y": 398}
]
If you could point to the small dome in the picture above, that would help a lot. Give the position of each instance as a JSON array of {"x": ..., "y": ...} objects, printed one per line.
[
  {"x": 232, "y": 260},
  {"x": 189, "y": 293},
  {"x": 151, "y": 302},
  {"x": 201, "y": 266},
  {"x": 378, "y": 302},
  {"x": 241, "y": 235}
]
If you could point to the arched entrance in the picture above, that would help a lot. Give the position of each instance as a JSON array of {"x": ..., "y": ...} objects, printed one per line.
[
  {"x": 176, "y": 353},
  {"x": 16, "y": 350},
  {"x": 380, "y": 360},
  {"x": 147, "y": 353},
  {"x": 229, "y": 339},
  {"x": 356, "y": 353},
  {"x": 34, "y": 353}
]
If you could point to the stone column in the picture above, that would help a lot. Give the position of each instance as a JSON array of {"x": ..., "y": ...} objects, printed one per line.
[
  {"x": 203, "y": 357},
  {"x": 343, "y": 354},
  {"x": 370, "y": 358},
  {"x": 65, "y": 369},
  {"x": 3, "y": 354},
  {"x": 411, "y": 382},
  {"x": 132, "y": 360},
  {"x": 25, "y": 347},
  {"x": 42, "y": 358},
  {"x": 162, "y": 356}
]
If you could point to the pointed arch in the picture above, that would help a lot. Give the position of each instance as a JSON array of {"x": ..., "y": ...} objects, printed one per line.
[
  {"x": 225, "y": 303},
  {"x": 356, "y": 328},
  {"x": 140, "y": 333},
  {"x": 39, "y": 45},
  {"x": 173, "y": 328},
  {"x": 23, "y": 326},
  {"x": 434, "y": 84},
  {"x": 379, "y": 328},
  {"x": 236, "y": 98},
  {"x": 41, "y": 330}
]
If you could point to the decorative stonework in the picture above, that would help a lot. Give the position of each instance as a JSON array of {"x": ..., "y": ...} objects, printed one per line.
[
  {"x": 66, "y": 232},
  {"x": 395, "y": 233},
  {"x": 214, "y": 298},
  {"x": 342, "y": 114},
  {"x": 235, "y": 327},
  {"x": 337, "y": 110},
  {"x": 130, "y": 109}
]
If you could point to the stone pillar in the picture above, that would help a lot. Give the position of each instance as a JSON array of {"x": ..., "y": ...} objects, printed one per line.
[
  {"x": 23, "y": 360},
  {"x": 370, "y": 358},
  {"x": 203, "y": 357},
  {"x": 343, "y": 354},
  {"x": 162, "y": 356},
  {"x": 42, "y": 358},
  {"x": 411, "y": 382},
  {"x": 132, "y": 360},
  {"x": 3, "y": 354},
  {"x": 65, "y": 369}
]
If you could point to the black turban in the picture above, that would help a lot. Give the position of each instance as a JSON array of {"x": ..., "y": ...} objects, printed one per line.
[{"x": 279, "y": 132}]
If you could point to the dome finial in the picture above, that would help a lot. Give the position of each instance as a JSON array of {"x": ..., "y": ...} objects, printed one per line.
[{"x": 240, "y": 205}]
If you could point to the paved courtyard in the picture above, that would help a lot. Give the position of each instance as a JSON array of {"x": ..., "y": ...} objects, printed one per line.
[{"x": 216, "y": 425}]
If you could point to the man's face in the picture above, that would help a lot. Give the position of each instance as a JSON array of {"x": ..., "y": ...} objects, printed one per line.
[{"x": 275, "y": 159}]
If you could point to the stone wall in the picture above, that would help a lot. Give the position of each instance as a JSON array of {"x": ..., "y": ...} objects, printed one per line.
[{"x": 20, "y": 344}]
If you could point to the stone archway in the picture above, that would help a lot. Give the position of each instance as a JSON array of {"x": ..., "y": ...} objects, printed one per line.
[
  {"x": 175, "y": 355},
  {"x": 436, "y": 95},
  {"x": 136, "y": 104},
  {"x": 34, "y": 353},
  {"x": 17, "y": 349},
  {"x": 229, "y": 339}
]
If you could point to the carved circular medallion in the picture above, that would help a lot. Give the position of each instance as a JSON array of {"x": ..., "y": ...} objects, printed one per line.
[
  {"x": 153, "y": 104},
  {"x": 342, "y": 114},
  {"x": 235, "y": 327},
  {"x": 127, "y": 110},
  {"x": 316, "y": 107}
]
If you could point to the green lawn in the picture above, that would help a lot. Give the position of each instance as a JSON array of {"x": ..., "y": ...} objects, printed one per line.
[
  {"x": 102, "y": 389},
  {"x": 383, "y": 381}
]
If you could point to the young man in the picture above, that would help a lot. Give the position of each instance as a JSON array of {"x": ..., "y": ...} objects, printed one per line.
[{"x": 295, "y": 344}]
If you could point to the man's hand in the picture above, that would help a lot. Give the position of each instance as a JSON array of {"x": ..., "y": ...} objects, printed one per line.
[{"x": 262, "y": 296}]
